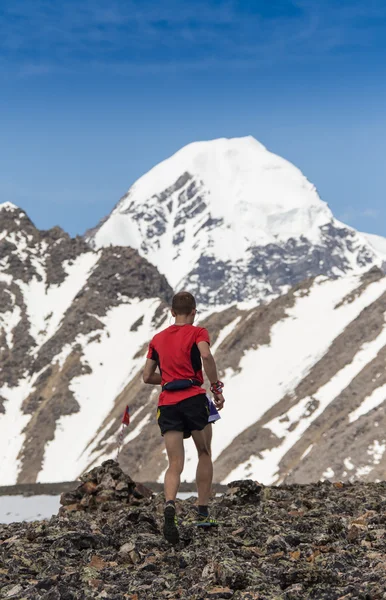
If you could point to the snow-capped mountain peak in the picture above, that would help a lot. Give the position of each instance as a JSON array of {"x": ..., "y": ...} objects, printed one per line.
[
  {"x": 239, "y": 220},
  {"x": 244, "y": 184},
  {"x": 257, "y": 195}
]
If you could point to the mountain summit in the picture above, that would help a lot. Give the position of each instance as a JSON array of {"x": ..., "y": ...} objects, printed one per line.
[{"x": 232, "y": 222}]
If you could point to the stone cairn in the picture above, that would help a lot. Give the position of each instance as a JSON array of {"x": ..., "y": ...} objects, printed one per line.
[{"x": 106, "y": 488}]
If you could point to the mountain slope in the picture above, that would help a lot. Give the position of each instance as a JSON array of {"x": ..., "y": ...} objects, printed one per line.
[
  {"x": 305, "y": 389},
  {"x": 233, "y": 222},
  {"x": 71, "y": 322}
]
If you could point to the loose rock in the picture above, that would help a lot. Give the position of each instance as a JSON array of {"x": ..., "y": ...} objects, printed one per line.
[{"x": 314, "y": 542}]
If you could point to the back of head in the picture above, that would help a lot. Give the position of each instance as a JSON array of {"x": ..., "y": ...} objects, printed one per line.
[{"x": 183, "y": 303}]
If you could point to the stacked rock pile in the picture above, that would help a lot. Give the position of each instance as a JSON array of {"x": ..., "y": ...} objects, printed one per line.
[{"x": 106, "y": 487}]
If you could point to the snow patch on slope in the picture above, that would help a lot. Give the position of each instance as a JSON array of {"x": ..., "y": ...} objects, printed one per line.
[
  {"x": 224, "y": 333},
  {"x": 112, "y": 363},
  {"x": 8, "y": 321},
  {"x": 373, "y": 401},
  {"x": 46, "y": 305},
  {"x": 12, "y": 424}
]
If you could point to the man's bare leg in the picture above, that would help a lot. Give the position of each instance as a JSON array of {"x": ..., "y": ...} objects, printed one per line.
[
  {"x": 174, "y": 442},
  {"x": 204, "y": 475}
]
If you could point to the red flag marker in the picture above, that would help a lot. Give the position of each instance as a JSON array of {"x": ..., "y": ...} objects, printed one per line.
[
  {"x": 125, "y": 423},
  {"x": 126, "y": 416}
]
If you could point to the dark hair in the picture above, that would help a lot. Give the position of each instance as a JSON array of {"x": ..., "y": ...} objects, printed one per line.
[{"x": 183, "y": 303}]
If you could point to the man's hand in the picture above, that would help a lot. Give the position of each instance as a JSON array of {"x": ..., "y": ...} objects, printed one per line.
[{"x": 219, "y": 401}]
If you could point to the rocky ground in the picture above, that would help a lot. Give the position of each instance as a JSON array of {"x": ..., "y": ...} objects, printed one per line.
[{"x": 320, "y": 541}]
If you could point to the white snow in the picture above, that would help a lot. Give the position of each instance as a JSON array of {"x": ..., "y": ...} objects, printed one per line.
[
  {"x": 12, "y": 424},
  {"x": 306, "y": 452},
  {"x": 376, "y": 450},
  {"x": 8, "y": 206},
  {"x": 373, "y": 401},
  {"x": 245, "y": 180},
  {"x": 377, "y": 242},
  {"x": 267, "y": 374},
  {"x": 348, "y": 464},
  {"x": 4, "y": 276},
  {"x": 113, "y": 366},
  {"x": 8, "y": 321},
  {"x": 363, "y": 471},
  {"x": 329, "y": 473},
  {"x": 23, "y": 508},
  {"x": 224, "y": 334},
  {"x": 46, "y": 306},
  {"x": 259, "y": 198}
]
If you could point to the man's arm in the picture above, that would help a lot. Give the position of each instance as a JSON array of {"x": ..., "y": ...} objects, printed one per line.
[
  {"x": 210, "y": 369},
  {"x": 149, "y": 375},
  {"x": 208, "y": 361}
]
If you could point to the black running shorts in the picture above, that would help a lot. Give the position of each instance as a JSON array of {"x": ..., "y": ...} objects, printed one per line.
[{"x": 187, "y": 416}]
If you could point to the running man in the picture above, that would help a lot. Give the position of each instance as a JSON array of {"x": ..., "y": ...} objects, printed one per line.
[{"x": 183, "y": 408}]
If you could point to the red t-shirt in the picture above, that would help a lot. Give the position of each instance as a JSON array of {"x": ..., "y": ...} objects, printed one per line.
[{"x": 177, "y": 355}]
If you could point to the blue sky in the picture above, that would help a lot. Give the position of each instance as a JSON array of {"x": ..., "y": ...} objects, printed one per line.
[{"x": 93, "y": 93}]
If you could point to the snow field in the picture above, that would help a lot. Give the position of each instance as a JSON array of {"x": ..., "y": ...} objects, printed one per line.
[
  {"x": 12, "y": 424},
  {"x": 34, "y": 508},
  {"x": 113, "y": 366}
]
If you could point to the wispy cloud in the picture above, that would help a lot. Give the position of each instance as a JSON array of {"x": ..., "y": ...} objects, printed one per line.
[
  {"x": 352, "y": 214},
  {"x": 45, "y": 35}
]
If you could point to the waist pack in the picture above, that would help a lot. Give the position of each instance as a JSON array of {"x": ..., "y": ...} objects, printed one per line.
[{"x": 180, "y": 384}]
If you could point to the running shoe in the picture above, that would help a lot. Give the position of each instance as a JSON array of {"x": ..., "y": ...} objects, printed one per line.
[
  {"x": 205, "y": 521},
  {"x": 170, "y": 525}
]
